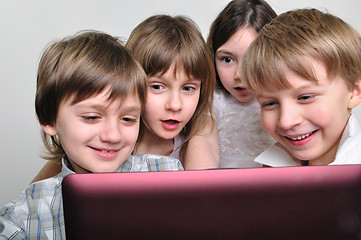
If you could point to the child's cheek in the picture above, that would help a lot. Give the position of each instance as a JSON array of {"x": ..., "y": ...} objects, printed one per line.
[
  {"x": 320, "y": 117},
  {"x": 269, "y": 122}
]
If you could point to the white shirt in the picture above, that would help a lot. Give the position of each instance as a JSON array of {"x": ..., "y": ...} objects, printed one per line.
[
  {"x": 348, "y": 152},
  {"x": 241, "y": 134}
]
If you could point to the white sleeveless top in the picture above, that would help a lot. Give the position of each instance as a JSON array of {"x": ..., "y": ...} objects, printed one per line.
[{"x": 241, "y": 134}]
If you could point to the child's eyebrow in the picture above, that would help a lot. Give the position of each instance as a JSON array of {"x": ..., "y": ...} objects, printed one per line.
[
  {"x": 98, "y": 106},
  {"x": 270, "y": 93},
  {"x": 193, "y": 79},
  {"x": 260, "y": 95},
  {"x": 88, "y": 104},
  {"x": 132, "y": 109},
  {"x": 223, "y": 51},
  {"x": 160, "y": 78}
]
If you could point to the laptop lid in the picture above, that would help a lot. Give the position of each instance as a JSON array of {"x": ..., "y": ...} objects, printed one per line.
[{"x": 321, "y": 202}]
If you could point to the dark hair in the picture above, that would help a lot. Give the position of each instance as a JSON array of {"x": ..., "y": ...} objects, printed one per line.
[{"x": 237, "y": 14}]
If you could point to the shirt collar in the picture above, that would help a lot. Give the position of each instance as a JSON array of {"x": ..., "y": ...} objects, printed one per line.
[{"x": 67, "y": 169}]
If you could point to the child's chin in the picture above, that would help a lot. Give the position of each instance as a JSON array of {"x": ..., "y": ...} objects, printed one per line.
[
  {"x": 304, "y": 156},
  {"x": 170, "y": 136},
  {"x": 245, "y": 99}
]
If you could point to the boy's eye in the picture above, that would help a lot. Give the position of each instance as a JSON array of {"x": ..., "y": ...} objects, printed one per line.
[
  {"x": 227, "y": 59},
  {"x": 90, "y": 118},
  {"x": 269, "y": 105},
  {"x": 306, "y": 98},
  {"x": 130, "y": 120}
]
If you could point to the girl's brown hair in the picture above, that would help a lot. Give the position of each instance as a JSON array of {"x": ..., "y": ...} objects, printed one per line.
[{"x": 162, "y": 41}]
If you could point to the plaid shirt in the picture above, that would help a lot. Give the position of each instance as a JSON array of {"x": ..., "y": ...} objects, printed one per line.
[{"x": 38, "y": 212}]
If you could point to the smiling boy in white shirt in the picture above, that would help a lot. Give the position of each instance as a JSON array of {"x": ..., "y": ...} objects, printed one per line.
[{"x": 305, "y": 69}]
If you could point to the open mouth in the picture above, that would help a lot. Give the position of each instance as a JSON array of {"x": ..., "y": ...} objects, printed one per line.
[
  {"x": 170, "y": 124},
  {"x": 302, "y": 137},
  {"x": 241, "y": 90}
]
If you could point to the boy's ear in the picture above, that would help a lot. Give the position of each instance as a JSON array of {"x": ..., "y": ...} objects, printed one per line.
[
  {"x": 49, "y": 129},
  {"x": 356, "y": 95}
]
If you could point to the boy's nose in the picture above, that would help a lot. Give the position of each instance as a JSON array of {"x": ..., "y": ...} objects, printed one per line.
[
  {"x": 289, "y": 116},
  {"x": 111, "y": 132},
  {"x": 174, "y": 102}
]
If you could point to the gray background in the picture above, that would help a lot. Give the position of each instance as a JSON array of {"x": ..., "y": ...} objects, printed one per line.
[{"x": 27, "y": 26}]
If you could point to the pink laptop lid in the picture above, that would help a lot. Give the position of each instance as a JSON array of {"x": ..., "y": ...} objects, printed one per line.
[{"x": 265, "y": 203}]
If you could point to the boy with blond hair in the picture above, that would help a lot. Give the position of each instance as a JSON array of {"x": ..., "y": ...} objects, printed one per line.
[{"x": 305, "y": 69}]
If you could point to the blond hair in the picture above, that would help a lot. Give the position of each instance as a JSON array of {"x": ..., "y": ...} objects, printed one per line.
[{"x": 294, "y": 37}]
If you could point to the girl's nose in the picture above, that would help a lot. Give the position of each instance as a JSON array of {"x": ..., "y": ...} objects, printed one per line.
[
  {"x": 237, "y": 73},
  {"x": 174, "y": 102}
]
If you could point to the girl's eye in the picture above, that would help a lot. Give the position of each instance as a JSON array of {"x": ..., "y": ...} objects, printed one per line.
[
  {"x": 227, "y": 59},
  {"x": 157, "y": 86},
  {"x": 188, "y": 88}
]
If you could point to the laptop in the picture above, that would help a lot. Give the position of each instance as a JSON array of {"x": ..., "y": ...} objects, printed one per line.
[{"x": 322, "y": 202}]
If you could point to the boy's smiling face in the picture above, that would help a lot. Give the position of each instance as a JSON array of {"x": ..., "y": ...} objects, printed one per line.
[
  {"x": 97, "y": 134},
  {"x": 308, "y": 119}
]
